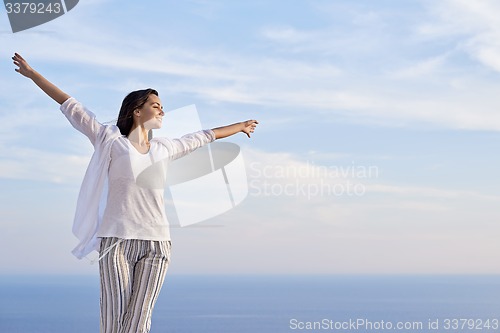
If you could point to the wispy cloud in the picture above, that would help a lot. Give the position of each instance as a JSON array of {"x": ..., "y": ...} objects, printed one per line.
[
  {"x": 427, "y": 223},
  {"x": 286, "y": 35},
  {"x": 423, "y": 68},
  {"x": 279, "y": 169},
  {"x": 366, "y": 62},
  {"x": 474, "y": 24},
  {"x": 42, "y": 165},
  {"x": 378, "y": 85}
]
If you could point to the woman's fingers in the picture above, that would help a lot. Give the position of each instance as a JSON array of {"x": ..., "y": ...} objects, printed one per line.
[
  {"x": 250, "y": 127},
  {"x": 22, "y": 65},
  {"x": 18, "y": 60}
]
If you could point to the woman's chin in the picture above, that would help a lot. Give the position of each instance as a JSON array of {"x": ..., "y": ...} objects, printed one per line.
[{"x": 153, "y": 127}]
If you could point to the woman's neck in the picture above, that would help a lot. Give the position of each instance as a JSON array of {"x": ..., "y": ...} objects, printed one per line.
[{"x": 139, "y": 136}]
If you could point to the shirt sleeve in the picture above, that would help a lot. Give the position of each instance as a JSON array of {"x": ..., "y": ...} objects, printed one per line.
[
  {"x": 187, "y": 143},
  {"x": 81, "y": 119}
]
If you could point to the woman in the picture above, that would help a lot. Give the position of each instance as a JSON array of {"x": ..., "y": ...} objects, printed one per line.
[{"x": 132, "y": 236}]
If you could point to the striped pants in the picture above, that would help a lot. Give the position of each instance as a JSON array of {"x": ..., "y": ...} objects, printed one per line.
[{"x": 132, "y": 274}]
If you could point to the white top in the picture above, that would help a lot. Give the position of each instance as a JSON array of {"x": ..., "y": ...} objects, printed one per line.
[
  {"x": 142, "y": 214},
  {"x": 135, "y": 207}
]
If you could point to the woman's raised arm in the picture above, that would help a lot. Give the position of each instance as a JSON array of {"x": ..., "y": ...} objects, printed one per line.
[
  {"x": 49, "y": 88},
  {"x": 246, "y": 127}
]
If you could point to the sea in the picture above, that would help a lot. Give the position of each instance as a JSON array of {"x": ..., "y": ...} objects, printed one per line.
[{"x": 265, "y": 304}]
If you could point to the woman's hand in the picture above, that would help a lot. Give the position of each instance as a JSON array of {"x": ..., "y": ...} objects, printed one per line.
[
  {"x": 246, "y": 127},
  {"x": 249, "y": 126},
  {"x": 24, "y": 69}
]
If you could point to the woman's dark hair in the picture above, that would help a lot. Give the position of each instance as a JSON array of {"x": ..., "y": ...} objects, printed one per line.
[{"x": 133, "y": 101}]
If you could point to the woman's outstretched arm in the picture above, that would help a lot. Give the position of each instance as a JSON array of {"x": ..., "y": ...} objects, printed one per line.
[
  {"x": 49, "y": 88},
  {"x": 246, "y": 127}
]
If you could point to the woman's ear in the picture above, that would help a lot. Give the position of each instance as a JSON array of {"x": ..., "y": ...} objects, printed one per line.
[{"x": 137, "y": 112}]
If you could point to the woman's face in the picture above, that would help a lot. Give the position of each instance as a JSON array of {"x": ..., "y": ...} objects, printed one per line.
[{"x": 151, "y": 113}]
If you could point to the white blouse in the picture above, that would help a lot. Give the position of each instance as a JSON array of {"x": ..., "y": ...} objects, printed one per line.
[
  {"x": 134, "y": 206},
  {"x": 136, "y": 182}
]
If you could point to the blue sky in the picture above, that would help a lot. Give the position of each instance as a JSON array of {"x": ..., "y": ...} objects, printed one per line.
[{"x": 407, "y": 87}]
